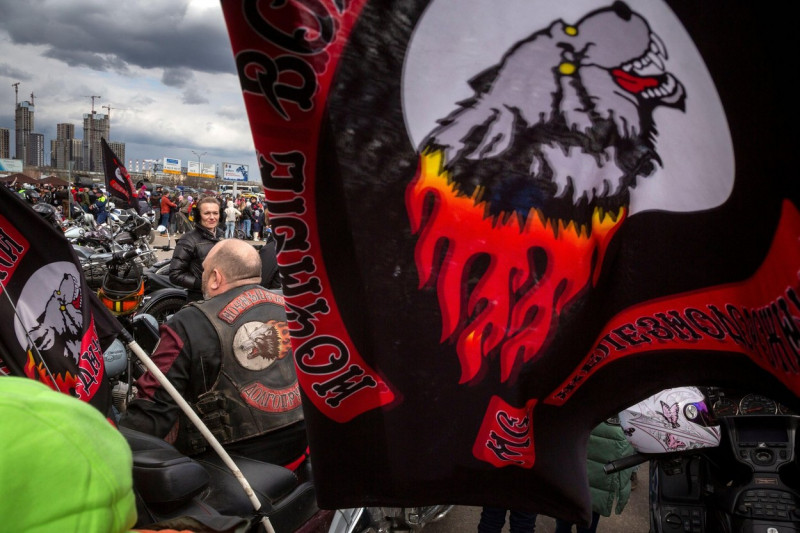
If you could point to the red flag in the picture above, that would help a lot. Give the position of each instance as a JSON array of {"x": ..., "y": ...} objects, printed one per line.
[
  {"x": 499, "y": 225},
  {"x": 118, "y": 181},
  {"x": 52, "y": 326}
]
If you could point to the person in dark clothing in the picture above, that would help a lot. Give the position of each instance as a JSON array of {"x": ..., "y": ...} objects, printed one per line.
[
  {"x": 186, "y": 267},
  {"x": 494, "y": 518},
  {"x": 270, "y": 276},
  {"x": 62, "y": 199},
  {"x": 253, "y": 407},
  {"x": 247, "y": 220},
  {"x": 155, "y": 198}
]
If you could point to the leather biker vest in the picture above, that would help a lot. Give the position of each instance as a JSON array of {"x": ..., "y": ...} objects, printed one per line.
[{"x": 256, "y": 390}]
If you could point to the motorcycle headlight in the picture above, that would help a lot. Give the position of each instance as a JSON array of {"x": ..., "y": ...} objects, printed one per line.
[{"x": 116, "y": 358}]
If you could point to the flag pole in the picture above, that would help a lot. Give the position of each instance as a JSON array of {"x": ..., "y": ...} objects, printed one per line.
[{"x": 189, "y": 412}]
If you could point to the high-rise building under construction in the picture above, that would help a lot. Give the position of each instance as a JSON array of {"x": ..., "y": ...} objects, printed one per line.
[
  {"x": 5, "y": 143},
  {"x": 65, "y": 148},
  {"x": 95, "y": 127},
  {"x": 23, "y": 126}
]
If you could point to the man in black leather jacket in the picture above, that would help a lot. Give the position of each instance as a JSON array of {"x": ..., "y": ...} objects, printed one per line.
[
  {"x": 186, "y": 267},
  {"x": 230, "y": 357}
]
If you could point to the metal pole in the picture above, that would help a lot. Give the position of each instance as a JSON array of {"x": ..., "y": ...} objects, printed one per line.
[
  {"x": 69, "y": 189},
  {"x": 200, "y": 163}
]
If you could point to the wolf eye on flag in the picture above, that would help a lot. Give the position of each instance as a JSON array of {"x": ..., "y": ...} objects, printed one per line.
[
  {"x": 118, "y": 181},
  {"x": 501, "y": 223},
  {"x": 52, "y": 326}
]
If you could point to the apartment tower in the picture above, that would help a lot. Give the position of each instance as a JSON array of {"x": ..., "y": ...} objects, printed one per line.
[
  {"x": 5, "y": 143},
  {"x": 23, "y": 126},
  {"x": 95, "y": 127}
]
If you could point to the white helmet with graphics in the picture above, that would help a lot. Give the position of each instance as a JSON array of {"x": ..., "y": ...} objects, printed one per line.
[{"x": 673, "y": 420}]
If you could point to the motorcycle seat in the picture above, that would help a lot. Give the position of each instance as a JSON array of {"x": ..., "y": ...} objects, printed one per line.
[
  {"x": 269, "y": 482},
  {"x": 161, "y": 474},
  {"x": 167, "y": 476}
]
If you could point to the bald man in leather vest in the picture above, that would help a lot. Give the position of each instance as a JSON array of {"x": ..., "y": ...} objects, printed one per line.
[{"x": 230, "y": 357}]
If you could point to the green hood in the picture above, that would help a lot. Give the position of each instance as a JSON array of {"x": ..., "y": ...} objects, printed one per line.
[{"x": 64, "y": 466}]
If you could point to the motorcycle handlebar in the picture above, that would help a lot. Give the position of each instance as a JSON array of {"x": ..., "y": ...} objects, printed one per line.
[
  {"x": 124, "y": 256},
  {"x": 624, "y": 462}
]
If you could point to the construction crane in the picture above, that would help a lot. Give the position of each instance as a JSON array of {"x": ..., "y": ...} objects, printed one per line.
[
  {"x": 32, "y": 98},
  {"x": 92, "y": 97},
  {"x": 16, "y": 93},
  {"x": 109, "y": 110}
]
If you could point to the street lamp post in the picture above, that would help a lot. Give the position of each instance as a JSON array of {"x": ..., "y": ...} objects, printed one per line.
[{"x": 200, "y": 163}]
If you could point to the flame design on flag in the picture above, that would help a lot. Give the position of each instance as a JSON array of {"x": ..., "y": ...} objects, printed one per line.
[
  {"x": 65, "y": 383},
  {"x": 536, "y": 268}
]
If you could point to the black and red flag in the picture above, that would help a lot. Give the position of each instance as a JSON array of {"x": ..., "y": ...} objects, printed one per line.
[
  {"x": 118, "y": 181},
  {"x": 500, "y": 223},
  {"x": 52, "y": 326}
]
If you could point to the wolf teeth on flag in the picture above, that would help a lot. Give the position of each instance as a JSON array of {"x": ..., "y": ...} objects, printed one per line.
[
  {"x": 118, "y": 181},
  {"x": 501, "y": 223},
  {"x": 52, "y": 326}
]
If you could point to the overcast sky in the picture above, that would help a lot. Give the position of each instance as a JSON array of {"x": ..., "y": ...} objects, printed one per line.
[{"x": 165, "y": 68}]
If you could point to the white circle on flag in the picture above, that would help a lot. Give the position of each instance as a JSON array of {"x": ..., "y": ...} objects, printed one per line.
[{"x": 455, "y": 40}]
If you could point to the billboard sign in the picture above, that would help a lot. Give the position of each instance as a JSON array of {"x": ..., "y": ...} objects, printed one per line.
[
  {"x": 172, "y": 166},
  {"x": 201, "y": 170},
  {"x": 235, "y": 172},
  {"x": 10, "y": 165}
]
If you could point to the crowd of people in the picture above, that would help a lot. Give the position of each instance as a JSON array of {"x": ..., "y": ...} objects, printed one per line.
[{"x": 240, "y": 216}]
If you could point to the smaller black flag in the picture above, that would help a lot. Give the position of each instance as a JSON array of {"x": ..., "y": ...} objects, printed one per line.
[
  {"x": 118, "y": 181},
  {"x": 53, "y": 328}
]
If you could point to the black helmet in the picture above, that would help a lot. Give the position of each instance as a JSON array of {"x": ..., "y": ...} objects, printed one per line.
[
  {"x": 122, "y": 289},
  {"x": 47, "y": 212},
  {"x": 32, "y": 195}
]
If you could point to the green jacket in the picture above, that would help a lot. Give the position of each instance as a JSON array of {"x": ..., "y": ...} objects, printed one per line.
[
  {"x": 63, "y": 467},
  {"x": 608, "y": 442}
]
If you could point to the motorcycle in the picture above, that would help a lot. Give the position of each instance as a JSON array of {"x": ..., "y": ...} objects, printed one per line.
[
  {"x": 94, "y": 264},
  {"x": 720, "y": 461},
  {"x": 132, "y": 235},
  {"x": 118, "y": 217},
  {"x": 78, "y": 225},
  {"x": 135, "y": 232}
]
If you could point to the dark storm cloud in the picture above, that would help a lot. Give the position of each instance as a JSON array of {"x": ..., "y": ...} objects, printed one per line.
[
  {"x": 78, "y": 58},
  {"x": 177, "y": 77},
  {"x": 113, "y": 35},
  {"x": 184, "y": 78}
]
